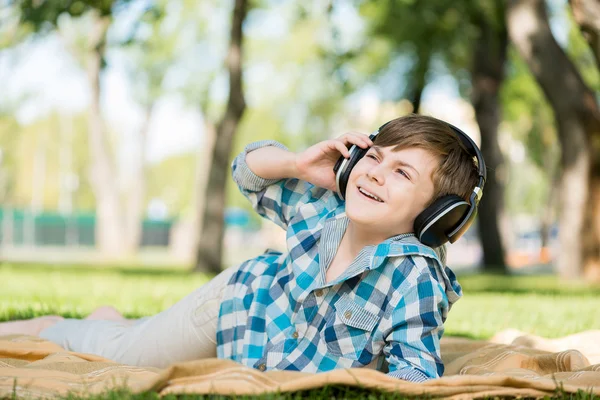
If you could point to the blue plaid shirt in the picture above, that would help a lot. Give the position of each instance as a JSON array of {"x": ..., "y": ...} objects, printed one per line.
[{"x": 385, "y": 311}]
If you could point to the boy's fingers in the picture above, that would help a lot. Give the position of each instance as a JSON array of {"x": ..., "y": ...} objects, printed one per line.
[
  {"x": 357, "y": 139},
  {"x": 341, "y": 147}
]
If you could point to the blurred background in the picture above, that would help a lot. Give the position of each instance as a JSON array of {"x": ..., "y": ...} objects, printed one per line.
[{"x": 119, "y": 120}]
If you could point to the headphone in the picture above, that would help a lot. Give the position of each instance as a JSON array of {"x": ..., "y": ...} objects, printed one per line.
[{"x": 449, "y": 216}]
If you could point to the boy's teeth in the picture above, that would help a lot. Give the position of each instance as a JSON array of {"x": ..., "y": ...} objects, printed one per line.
[{"x": 370, "y": 195}]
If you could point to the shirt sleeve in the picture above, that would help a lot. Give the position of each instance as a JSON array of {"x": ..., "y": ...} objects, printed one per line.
[
  {"x": 412, "y": 347},
  {"x": 277, "y": 200}
]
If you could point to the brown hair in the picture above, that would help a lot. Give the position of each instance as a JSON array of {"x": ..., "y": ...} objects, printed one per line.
[{"x": 457, "y": 172}]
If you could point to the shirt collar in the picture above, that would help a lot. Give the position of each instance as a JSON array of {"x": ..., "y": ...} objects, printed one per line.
[{"x": 403, "y": 244}]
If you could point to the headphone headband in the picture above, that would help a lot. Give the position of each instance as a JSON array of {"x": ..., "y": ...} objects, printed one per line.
[{"x": 472, "y": 149}]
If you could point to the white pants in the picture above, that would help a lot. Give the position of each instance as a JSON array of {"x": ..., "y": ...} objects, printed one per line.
[{"x": 184, "y": 332}]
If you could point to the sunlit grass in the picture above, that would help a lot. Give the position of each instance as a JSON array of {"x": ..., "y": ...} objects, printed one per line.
[
  {"x": 324, "y": 393},
  {"x": 32, "y": 290},
  {"x": 542, "y": 305}
]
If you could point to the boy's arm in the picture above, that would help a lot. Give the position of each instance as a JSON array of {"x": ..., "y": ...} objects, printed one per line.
[
  {"x": 270, "y": 160},
  {"x": 265, "y": 173},
  {"x": 412, "y": 347}
]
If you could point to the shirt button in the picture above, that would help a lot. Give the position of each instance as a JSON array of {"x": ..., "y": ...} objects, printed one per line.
[
  {"x": 262, "y": 367},
  {"x": 319, "y": 292},
  {"x": 348, "y": 314},
  {"x": 295, "y": 335}
]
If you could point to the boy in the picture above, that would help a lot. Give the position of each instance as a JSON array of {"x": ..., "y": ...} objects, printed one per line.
[{"x": 355, "y": 289}]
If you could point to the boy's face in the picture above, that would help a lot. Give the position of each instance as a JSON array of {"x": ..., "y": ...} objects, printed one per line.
[{"x": 402, "y": 182}]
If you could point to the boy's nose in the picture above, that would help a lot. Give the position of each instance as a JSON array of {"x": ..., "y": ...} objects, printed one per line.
[{"x": 376, "y": 173}]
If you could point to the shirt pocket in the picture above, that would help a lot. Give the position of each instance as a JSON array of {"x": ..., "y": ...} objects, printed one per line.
[{"x": 348, "y": 329}]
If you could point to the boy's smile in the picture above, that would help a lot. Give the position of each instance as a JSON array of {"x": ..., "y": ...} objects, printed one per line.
[
  {"x": 387, "y": 190},
  {"x": 369, "y": 194}
]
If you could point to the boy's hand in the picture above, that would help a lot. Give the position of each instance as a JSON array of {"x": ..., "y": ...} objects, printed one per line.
[{"x": 315, "y": 164}]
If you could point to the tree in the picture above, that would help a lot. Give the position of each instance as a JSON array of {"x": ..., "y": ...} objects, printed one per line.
[
  {"x": 43, "y": 17},
  {"x": 118, "y": 226},
  {"x": 578, "y": 120},
  {"x": 209, "y": 255},
  {"x": 468, "y": 37},
  {"x": 421, "y": 31},
  {"x": 487, "y": 76},
  {"x": 151, "y": 56},
  {"x": 529, "y": 119},
  {"x": 587, "y": 16},
  {"x": 109, "y": 211}
]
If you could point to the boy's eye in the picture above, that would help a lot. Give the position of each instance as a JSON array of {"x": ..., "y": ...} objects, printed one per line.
[{"x": 401, "y": 171}]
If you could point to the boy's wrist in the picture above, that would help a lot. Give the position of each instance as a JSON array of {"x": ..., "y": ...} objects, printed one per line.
[{"x": 292, "y": 168}]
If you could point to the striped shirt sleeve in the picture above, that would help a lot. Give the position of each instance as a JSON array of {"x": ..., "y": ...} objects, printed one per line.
[
  {"x": 274, "y": 199},
  {"x": 412, "y": 347}
]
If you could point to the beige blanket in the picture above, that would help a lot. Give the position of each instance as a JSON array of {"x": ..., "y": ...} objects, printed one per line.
[{"x": 510, "y": 364}]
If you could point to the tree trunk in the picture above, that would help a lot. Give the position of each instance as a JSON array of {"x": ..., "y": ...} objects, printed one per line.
[
  {"x": 209, "y": 255},
  {"x": 591, "y": 232},
  {"x": 203, "y": 163},
  {"x": 137, "y": 190},
  {"x": 109, "y": 227},
  {"x": 587, "y": 15},
  {"x": 487, "y": 76},
  {"x": 418, "y": 78},
  {"x": 578, "y": 121}
]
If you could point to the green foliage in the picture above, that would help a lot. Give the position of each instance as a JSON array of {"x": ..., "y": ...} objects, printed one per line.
[
  {"x": 151, "y": 49},
  {"x": 172, "y": 180},
  {"x": 9, "y": 160},
  {"x": 523, "y": 101},
  {"x": 44, "y": 15},
  {"x": 11, "y": 29},
  {"x": 21, "y": 145},
  {"x": 194, "y": 41},
  {"x": 580, "y": 53},
  {"x": 528, "y": 119},
  {"x": 528, "y": 189},
  {"x": 421, "y": 32},
  {"x": 301, "y": 93}
]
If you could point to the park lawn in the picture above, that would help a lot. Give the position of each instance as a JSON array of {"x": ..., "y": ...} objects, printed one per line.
[{"x": 541, "y": 305}]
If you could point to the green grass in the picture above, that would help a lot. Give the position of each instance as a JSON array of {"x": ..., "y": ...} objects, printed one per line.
[
  {"x": 541, "y": 305},
  {"x": 325, "y": 393},
  {"x": 74, "y": 291}
]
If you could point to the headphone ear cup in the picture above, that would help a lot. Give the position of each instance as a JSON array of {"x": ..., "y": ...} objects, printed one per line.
[
  {"x": 344, "y": 174},
  {"x": 433, "y": 224}
]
